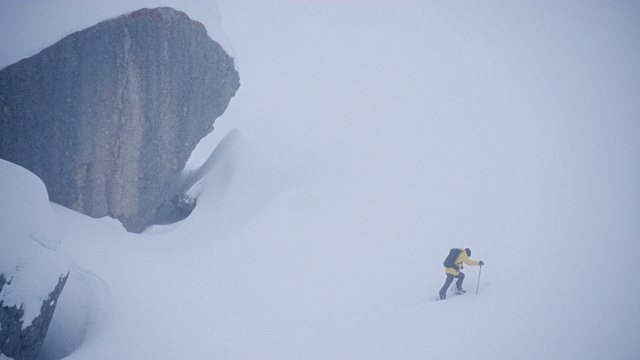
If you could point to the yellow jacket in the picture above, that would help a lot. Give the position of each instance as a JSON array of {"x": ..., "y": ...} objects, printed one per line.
[{"x": 462, "y": 258}]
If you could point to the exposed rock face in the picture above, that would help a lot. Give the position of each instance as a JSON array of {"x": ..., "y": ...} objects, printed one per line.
[
  {"x": 24, "y": 344},
  {"x": 108, "y": 116}
]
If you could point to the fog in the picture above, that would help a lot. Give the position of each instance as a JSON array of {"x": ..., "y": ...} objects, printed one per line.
[
  {"x": 405, "y": 128},
  {"x": 480, "y": 118},
  {"x": 510, "y": 127}
]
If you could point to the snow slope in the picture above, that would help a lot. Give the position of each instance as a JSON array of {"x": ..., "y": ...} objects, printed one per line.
[{"x": 372, "y": 139}]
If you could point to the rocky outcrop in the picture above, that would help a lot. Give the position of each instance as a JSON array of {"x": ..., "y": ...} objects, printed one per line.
[
  {"x": 83, "y": 305},
  {"x": 32, "y": 271},
  {"x": 24, "y": 343},
  {"x": 108, "y": 116}
]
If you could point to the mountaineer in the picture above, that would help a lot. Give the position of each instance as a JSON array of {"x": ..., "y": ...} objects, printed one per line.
[{"x": 453, "y": 265}]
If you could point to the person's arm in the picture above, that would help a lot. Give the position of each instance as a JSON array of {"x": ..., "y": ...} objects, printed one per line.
[{"x": 468, "y": 261}]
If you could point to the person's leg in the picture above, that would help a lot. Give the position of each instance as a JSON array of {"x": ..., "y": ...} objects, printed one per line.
[
  {"x": 460, "y": 280},
  {"x": 443, "y": 290}
]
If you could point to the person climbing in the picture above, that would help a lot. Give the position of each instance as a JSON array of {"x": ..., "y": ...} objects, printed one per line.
[{"x": 453, "y": 265}]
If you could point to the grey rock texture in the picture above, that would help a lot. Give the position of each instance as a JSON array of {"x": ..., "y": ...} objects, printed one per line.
[
  {"x": 108, "y": 116},
  {"x": 25, "y": 344}
]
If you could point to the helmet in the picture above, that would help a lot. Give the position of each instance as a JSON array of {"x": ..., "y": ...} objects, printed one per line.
[{"x": 468, "y": 251}]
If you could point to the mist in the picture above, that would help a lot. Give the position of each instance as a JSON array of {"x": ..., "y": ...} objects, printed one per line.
[
  {"x": 476, "y": 119},
  {"x": 393, "y": 131}
]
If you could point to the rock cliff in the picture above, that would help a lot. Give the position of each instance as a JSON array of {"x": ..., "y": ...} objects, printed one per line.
[{"x": 108, "y": 116}]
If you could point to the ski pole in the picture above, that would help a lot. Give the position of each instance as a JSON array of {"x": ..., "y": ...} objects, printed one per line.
[
  {"x": 478, "y": 287},
  {"x": 453, "y": 284}
]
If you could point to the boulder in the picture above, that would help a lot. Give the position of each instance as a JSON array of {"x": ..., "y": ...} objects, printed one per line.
[{"x": 108, "y": 116}]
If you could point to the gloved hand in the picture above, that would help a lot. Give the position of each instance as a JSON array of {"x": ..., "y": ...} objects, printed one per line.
[{"x": 481, "y": 263}]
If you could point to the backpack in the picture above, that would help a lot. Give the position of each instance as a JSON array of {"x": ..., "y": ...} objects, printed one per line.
[{"x": 450, "y": 260}]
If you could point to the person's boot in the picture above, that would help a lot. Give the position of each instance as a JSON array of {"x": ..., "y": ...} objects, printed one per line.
[
  {"x": 443, "y": 296},
  {"x": 460, "y": 291}
]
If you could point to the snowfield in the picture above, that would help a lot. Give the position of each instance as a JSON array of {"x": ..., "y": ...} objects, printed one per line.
[{"x": 367, "y": 140}]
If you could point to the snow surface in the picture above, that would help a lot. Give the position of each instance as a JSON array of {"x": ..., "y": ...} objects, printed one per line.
[{"x": 372, "y": 139}]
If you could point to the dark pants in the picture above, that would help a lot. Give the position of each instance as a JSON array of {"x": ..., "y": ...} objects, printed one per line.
[{"x": 447, "y": 283}]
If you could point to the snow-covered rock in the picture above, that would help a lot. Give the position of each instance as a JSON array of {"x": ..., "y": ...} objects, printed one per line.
[
  {"x": 22, "y": 342},
  {"x": 32, "y": 274},
  {"x": 108, "y": 116}
]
